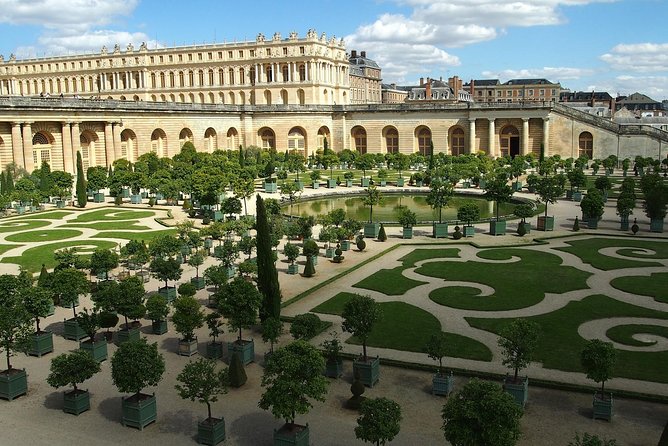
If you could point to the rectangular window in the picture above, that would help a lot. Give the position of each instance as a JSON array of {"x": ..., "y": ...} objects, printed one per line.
[
  {"x": 180, "y": 57},
  {"x": 498, "y": 93},
  {"x": 241, "y": 54},
  {"x": 190, "y": 57},
  {"x": 210, "y": 56},
  {"x": 199, "y": 56},
  {"x": 252, "y": 53},
  {"x": 509, "y": 93},
  {"x": 302, "y": 50},
  {"x": 230, "y": 55},
  {"x": 285, "y": 51},
  {"x": 541, "y": 92},
  {"x": 161, "y": 59},
  {"x": 171, "y": 58},
  {"x": 220, "y": 54},
  {"x": 152, "y": 59}
]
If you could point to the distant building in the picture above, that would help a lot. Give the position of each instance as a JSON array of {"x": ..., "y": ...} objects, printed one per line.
[
  {"x": 515, "y": 90},
  {"x": 393, "y": 94},
  {"x": 640, "y": 104},
  {"x": 598, "y": 103},
  {"x": 365, "y": 80},
  {"x": 437, "y": 90}
]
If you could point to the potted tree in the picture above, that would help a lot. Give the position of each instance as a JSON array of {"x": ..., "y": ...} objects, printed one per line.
[
  {"x": 407, "y": 219},
  {"x": 440, "y": 193},
  {"x": 497, "y": 190},
  {"x": 292, "y": 376},
  {"x": 592, "y": 207},
  {"x": 227, "y": 253},
  {"x": 437, "y": 348},
  {"x": 130, "y": 305},
  {"x": 15, "y": 336},
  {"x": 598, "y": 359},
  {"x": 310, "y": 250},
  {"x": 372, "y": 196},
  {"x": 549, "y": 189},
  {"x": 468, "y": 212},
  {"x": 359, "y": 315},
  {"x": 71, "y": 369},
  {"x": 378, "y": 421},
  {"x": 291, "y": 252},
  {"x": 157, "y": 310},
  {"x": 134, "y": 366},
  {"x": 626, "y": 202},
  {"x": 348, "y": 176},
  {"x": 333, "y": 362},
  {"x": 272, "y": 329},
  {"x": 188, "y": 316},
  {"x": 626, "y": 163},
  {"x": 315, "y": 178},
  {"x": 102, "y": 262},
  {"x": 38, "y": 302},
  {"x": 577, "y": 181},
  {"x": 656, "y": 198},
  {"x": 523, "y": 211},
  {"x": 481, "y": 414},
  {"x": 67, "y": 285},
  {"x": 518, "y": 341},
  {"x": 603, "y": 184},
  {"x": 214, "y": 349},
  {"x": 165, "y": 269},
  {"x": 239, "y": 301},
  {"x": 90, "y": 324},
  {"x": 196, "y": 260},
  {"x": 200, "y": 381},
  {"x": 382, "y": 177}
]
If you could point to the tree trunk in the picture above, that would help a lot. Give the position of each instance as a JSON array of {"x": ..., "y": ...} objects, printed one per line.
[
  {"x": 239, "y": 334},
  {"x": 208, "y": 408},
  {"x": 364, "y": 350}
]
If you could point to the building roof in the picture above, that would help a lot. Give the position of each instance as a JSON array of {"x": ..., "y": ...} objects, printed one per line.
[
  {"x": 528, "y": 82},
  {"x": 585, "y": 96},
  {"x": 484, "y": 82},
  {"x": 636, "y": 98},
  {"x": 360, "y": 61}
]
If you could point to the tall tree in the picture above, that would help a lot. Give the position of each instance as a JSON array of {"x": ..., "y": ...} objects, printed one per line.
[
  {"x": 82, "y": 199},
  {"x": 267, "y": 276}
]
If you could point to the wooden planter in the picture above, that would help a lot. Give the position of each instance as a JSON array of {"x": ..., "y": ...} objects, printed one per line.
[
  {"x": 300, "y": 185},
  {"x": 72, "y": 331},
  {"x": 334, "y": 369},
  {"x": 656, "y": 225},
  {"x": 128, "y": 334},
  {"x": 211, "y": 431},
  {"x": 125, "y": 192},
  {"x": 245, "y": 348},
  {"x": 407, "y": 232},
  {"x": 159, "y": 327},
  {"x": 345, "y": 245},
  {"x": 168, "y": 293},
  {"x": 577, "y": 196},
  {"x": 13, "y": 383},
  {"x": 602, "y": 406},
  {"x": 329, "y": 253},
  {"x": 199, "y": 282},
  {"x": 364, "y": 182},
  {"x": 41, "y": 344},
  {"x": 518, "y": 390},
  {"x": 469, "y": 231},
  {"x": 442, "y": 384},
  {"x": 292, "y": 435},
  {"x": 592, "y": 223},
  {"x": 270, "y": 188},
  {"x": 349, "y": 183},
  {"x": 214, "y": 350},
  {"x": 135, "y": 199},
  {"x": 624, "y": 223},
  {"x": 371, "y": 230},
  {"x": 98, "y": 198},
  {"x": 293, "y": 269},
  {"x": 187, "y": 348},
  {"x": 439, "y": 230},
  {"x": 545, "y": 223},
  {"x": 400, "y": 182},
  {"x": 98, "y": 349},
  {"x": 369, "y": 371},
  {"x": 383, "y": 183},
  {"x": 517, "y": 186},
  {"x": 76, "y": 401},
  {"x": 139, "y": 410},
  {"x": 497, "y": 227},
  {"x": 316, "y": 184}
]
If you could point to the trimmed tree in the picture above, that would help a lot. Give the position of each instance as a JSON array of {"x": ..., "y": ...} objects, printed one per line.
[
  {"x": 15, "y": 321},
  {"x": 82, "y": 198},
  {"x": 272, "y": 329},
  {"x": 518, "y": 341},
  {"x": 239, "y": 301},
  {"x": 71, "y": 369},
  {"x": 187, "y": 317},
  {"x": 359, "y": 315},
  {"x": 437, "y": 348},
  {"x": 200, "y": 381},
  {"x": 378, "y": 421},
  {"x": 267, "y": 276},
  {"x": 135, "y": 365},
  {"x": 598, "y": 358}
]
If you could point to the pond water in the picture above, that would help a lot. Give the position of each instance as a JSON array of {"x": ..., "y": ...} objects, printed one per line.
[{"x": 388, "y": 210}]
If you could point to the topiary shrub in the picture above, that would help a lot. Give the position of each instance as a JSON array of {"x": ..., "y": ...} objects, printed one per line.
[
  {"x": 521, "y": 230},
  {"x": 457, "y": 234},
  {"x": 151, "y": 202},
  {"x": 382, "y": 236},
  {"x": 237, "y": 373},
  {"x": 357, "y": 389},
  {"x": 206, "y": 220},
  {"x": 361, "y": 245},
  {"x": 338, "y": 258},
  {"x": 187, "y": 289},
  {"x": 309, "y": 268},
  {"x": 576, "y": 224},
  {"x": 118, "y": 200},
  {"x": 305, "y": 326}
]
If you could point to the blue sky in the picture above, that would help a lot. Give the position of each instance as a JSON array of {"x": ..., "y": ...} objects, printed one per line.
[{"x": 619, "y": 46}]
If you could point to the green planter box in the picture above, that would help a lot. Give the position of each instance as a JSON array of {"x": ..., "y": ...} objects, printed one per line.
[
  {"x": 439, "y": 230},
  {"x": 199, "y": 282},
  {"x": 624, "y": 223},
  {"x": 482, "y": 183},
  {"x": 469, "y": 231},
  {"x": 345, "y": 245},
  {"x": 519, "y": 391},
  {"x": 383, "y": 183},
  {"x": 21, "y": 210},
  {"x": 72, "y": 331},
  {"x": 592, "y": 223},
  {"x": 465, "y": 184},
  {"x": 349, "y": 183},
  {"x": 545, "y": 223},
  {"x": 408, "y": 232},
  {"x": 329, "y": 253},
  {"x": 208, "y": 243},
  {"x": 231, "y": 271},
  {"x": 527, "y": 226},
  {"x": 13, "y": 383},
  {"x": 135, "y": 199},
  {"x": 270, "y": 188},
  {"x": 442, "y": 384},
  {"x": 41, "y": 344},
  {"x": 300, "y": 185},
  {"x": 139, "y": 410},
  {"x": 98, "y": 350},
  {"x": 293, "y": 269},
  {"x": 125, "y": 335},
  {"x": 60, "y": 204},
  {"x": 517, "y": 186},
  {"x": 168, "y": 293},
  {"x": 334, "y": 369},
  {"x": 400, "y": 182},
  {"x": 292, "y": 435},
  {"x": 245, "y": 348},
  {"x": 314, "y": 260},
  {"x": 364, "y": 182},
  {"x": 419, "y": 183},
  {"x": 218, "y": 216},
  {"x": 331, "y": 183},
  {"x": 159, "y": 196},
  {"x": 577, "y": 196},
  {"x": 76, "y": 401},
  {"x": 125, "y": 192},
  {"x": 98, "y": 198},
  {"x": 316, "y": 184},
  {"x": 369, "y": 371},
  {"x": 211, "y": 431},
  {"x": 602, "y": 406},
  {"x": 497, "y": 227},
  {"x": 187, "y": 348},
  {"x": 159, "y": 327},
  {"x": 656, "y": 225},
  {"x": 371, "y": 230},
  {"x": 214, "y": 350}
]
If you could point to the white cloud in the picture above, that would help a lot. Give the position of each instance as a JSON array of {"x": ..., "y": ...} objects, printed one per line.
[
  {"x": 638, "y": 57},
  {"x": 554, "y": 74}
]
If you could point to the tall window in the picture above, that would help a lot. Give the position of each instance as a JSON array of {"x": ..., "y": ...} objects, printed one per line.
[
  {"x": 41, "y": 149},
  {"x": 359, "y": 137},
  {"x": 210, "y": 140},
  {"x": 296, "y": 140},
  {"x": 392, "y": 140},
  {"x": 268, "y": 139},
  {"x": 457, "y": 141},
  {"x": 232, "y": 139},
  {"x": 586, "y": 145},
  {"x": 424, "y": 141}
]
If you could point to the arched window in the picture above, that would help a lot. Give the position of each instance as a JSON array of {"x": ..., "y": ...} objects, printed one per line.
[
  {"x": 88, "y": 139},
  {"x": 586, "y": 145},
  {"x": 210, "y": 140},
  {"x": 182, "y": 80},
  {"x": 424, "y": 141},
  {"x": 284, "y": 97},
  {"x": 200, "y": 77},
  {"x": 172, "y": 82},
  {"x": 359, "y": 138},
  {"x": 231, "y": 75},
  {"x": 323, "y": 133},
  {"x": 232, "y": 139},
  {"x": 302, "y": 73},
  {"x": 242, "y": 76},
  {"x": 301, "y": 97},
  {"x": 129, "y": 145},
  {"x": 391, "y": 140},
  {"x": 457, "y": 141},
  {"x": 162, "y": 80},
  {"x": 41, "y": 149},
  {"x": 267, "y": 97},
  {"x": 159, "y": 143},
  {"x": 297, "y": 139},
  {"x": 191, "y": 78},
  {"x": 270, "y": 73},
  {"x": 210, "y": 77},
  {"x": 268, "y": 139},
  {"x": 185, "y": 136},
  {"x": 285, "y": 73},
  {"x": 221, "y": 77},
  {"x": 510, "y": 141}
]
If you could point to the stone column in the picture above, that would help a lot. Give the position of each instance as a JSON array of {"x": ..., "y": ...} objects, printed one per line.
[
  {"x": 17, "y": 144},
  {"x": 492, "y": 138},
  {"x": 28, "y": 162},
  {"x": 525, "y": 136},
  {"x": 117, "y": 141},
  {"x": 76, "y": 142},
  {"x": 68, "y": 165},
  {"x": 108, "y": 143},
  {"x": 306, "y": 71},
  {"x": 546, "y": 137},
  {"x": 471, "y": 135}
]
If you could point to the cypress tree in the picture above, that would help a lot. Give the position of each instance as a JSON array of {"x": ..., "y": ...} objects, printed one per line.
[
  {"x": 82, "y": 199},
  {"x": 237, "y": 374},
  {"x": 242, "y": 159},
  {"x": 45, "y": 181},
  {"x": 9, "y": 181},
  {"x": 3, "y": 185},
  {"x": 267, "y": 276}
]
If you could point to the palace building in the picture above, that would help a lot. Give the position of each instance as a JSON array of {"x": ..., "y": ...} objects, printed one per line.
[{"x": 284, "y": 93}]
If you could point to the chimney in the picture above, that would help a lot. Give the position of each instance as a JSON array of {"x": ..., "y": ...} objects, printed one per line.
[
  {"x": 427, "y": 94},
  {"x": 363, "y": 53},
  {"x": 353, "y": 53},
  {"x": 421, "y": 81},
  {"x": 472, "y": 89}
]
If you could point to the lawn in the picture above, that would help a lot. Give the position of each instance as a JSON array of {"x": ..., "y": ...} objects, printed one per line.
[
  {"x": 456, "y": 296},
  {"x": 408, "y": 328},
  {"x": 129, "y": 235},
  {"x": 624, "y": 334},
  {"x": 560, "y": 344},
  {"x": 517, "y": 284},
  {"x": 417, "y": 255},
  {"x": 388, "y": 281},
  {"x": 51, "y": 215},
  {"x": 656, "y": 285},
  {"x": 33, "y": 258},
  {"x": 588, "y": 251},
  {"x": 128, "y": 225},
  {"x": 20, "y": 225},
  {"x": 47, "y": 235},
  {"x": 5, "y": 248},
  {"x": 112, "y": 214}
]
